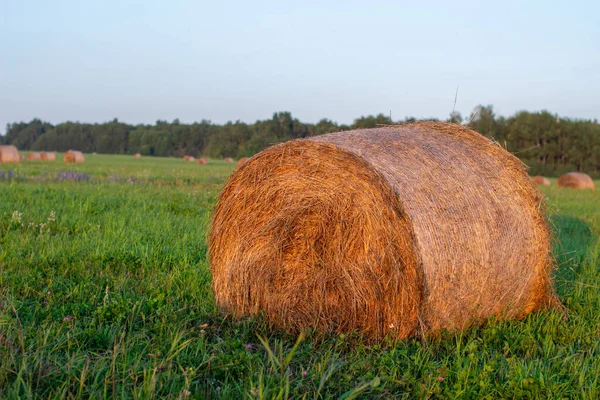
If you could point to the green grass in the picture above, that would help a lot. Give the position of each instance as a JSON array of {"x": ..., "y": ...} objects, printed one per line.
[{"x": 105, "y": 292}]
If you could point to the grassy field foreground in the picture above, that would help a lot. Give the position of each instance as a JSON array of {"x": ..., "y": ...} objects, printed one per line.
[{"x": 105, "y": 292}]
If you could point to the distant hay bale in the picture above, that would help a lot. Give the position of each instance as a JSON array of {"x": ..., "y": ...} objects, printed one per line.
[
  {"x": 191, "y": 159},
  {"x": 34, "y": 156},
  {"x": 73, "y": 156},
  {"x": 576, "y": 180},
  {"x": 541, "y": 180},
  {"x": 186, "y": 158},
  {"x": 9, "y": 155},
  {"x": 202, "y": 161},
  {"x": 48, "y": 156},
  {"x": 242, "y": 161},
  {"x": 137, "y": 155},
  {"x": 228, "y": 159},
  {"x": 395, "y": 230}
]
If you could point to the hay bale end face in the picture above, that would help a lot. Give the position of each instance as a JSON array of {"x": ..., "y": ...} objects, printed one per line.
[
  {"x": 74, "y": 156},
  {"x": 34, "y": 156},
  {"x": 541, "y": 180},
  {"x": 48, "y": 156},
  {"x": 9, "y": 155},
  {"x": 359, "y": 230},
  {"x": 202, "y": 161},
  {"x": 576, "y": 180},
  {"x": 228, "y": 159}
]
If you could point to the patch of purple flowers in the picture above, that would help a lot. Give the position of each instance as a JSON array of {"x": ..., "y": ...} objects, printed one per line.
[{"x": 72, "y": 176}]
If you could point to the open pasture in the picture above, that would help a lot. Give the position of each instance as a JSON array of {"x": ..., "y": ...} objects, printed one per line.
[{"x": 105, "y": 292}]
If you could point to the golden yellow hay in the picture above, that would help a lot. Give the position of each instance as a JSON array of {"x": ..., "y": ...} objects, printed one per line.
[
  {"x": 34, "y": 156},
  {"x": 396, "y": 230},
  {"x": 74, "y": 156},
  {"x": 576, "y": 180},
  {"x": 202, "y": 161},
  {"x": 541, "y": 180},
  {"x": 9, "y": 155},
  {"x": 242, "y": 161},
  {"x": 48, "y": 156}
]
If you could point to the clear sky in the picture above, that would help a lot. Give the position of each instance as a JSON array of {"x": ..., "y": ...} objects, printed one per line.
[{"x": 139, "y": 61}]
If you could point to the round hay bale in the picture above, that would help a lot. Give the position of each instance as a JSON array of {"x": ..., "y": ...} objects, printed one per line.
[
  {"x": 191, "y": 159},
  {"x": 242, "y": 161},
  {"x": 541, "y": 180},
  {"x": 9, "y": 155},
  {"x": 34, "y": 156},
  {"x": 576, "y": 180},
  {"x": 186, "y": 158},
  {"x": 48, "y": 156},
  {"x": 73, "y": 156},
  {"x": 228, "y": 159},
  {"x": 137, "y": 155},
  {"x": 202, "y": 161},
  {"x": 394, "y": 230}
]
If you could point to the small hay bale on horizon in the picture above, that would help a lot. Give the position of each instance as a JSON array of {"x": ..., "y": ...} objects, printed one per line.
[
  {"x": 9, "y": 155},
  {"x": 576, "y": 180},
  {"x": 48, "y": 156},
  {"x": 73, "y": 156},
  {"x": 541, "y": 180},
  {"x": 359, "y": 230},
  {"x": 34, "y": 156},
  {"x": 137, "y": 155},
  {"x": 202, "y": 161},
  {"x": 228, "y": 159}
]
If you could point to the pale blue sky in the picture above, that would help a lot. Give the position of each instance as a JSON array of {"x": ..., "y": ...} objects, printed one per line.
[{"x": 140, "y": 61}]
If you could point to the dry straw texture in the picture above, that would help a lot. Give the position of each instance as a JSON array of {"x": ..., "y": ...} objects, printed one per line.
[
  {"x": 228, "y": 159},
  {"x": 137, "y": 155},
  {"x": 34, "y": 156},
  {"x": 9, "y": 155},
  {"x": 48, "y": 156},
  {"x": 242, "y": 161},
  {"x": 576, "y": 180},
  {"x": 202, "y": 161},
  {"x": 73, "y": 156},
  {"x": 396, "y": 230},
  {"x": 541, "y": 180}
]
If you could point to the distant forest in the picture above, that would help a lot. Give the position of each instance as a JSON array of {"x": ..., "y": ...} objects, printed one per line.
[{"x": 549, "y": 144}]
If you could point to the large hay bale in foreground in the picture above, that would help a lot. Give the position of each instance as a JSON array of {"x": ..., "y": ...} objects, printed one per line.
[
  {"x": 34, "y": 156},
  {"x": 202, "y": 161},
  {"x": 241, "y": 161},
  {"x": 541, "y": 180},
  {"x": 48, "y": 156},
  {"x": 9, "y": 155},
  {"x": 74, "y": 156},
  {"x": 576, "y": 180},
  {"x": 393, "y": 230}
]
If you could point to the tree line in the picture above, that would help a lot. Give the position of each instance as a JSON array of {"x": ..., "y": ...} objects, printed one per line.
[{"x": 549, "y": 144}]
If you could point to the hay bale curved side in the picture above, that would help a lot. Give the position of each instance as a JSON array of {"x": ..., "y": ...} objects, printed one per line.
[
  {"x": 9, "y": 155},
  {"x": 73, "y": 156},
  {"x": 576, "y": 180},
  {"x": 360, "y": 230},
  {"x": 541, "y": 180},
  {"x": 48, "y": 156}
]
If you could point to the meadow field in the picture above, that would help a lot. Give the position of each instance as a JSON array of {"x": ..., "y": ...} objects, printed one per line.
[{"x": 105, "y": 292}]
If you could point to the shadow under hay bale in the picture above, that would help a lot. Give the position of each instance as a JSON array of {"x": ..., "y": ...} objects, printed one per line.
[
  {"x": 73, "y": 156},
  {"x": 541, "y": 180},
  {"x": 362, "y": 230},
  {"x": 9, "y": 155},
  {"x": 576, "y": 180}
]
